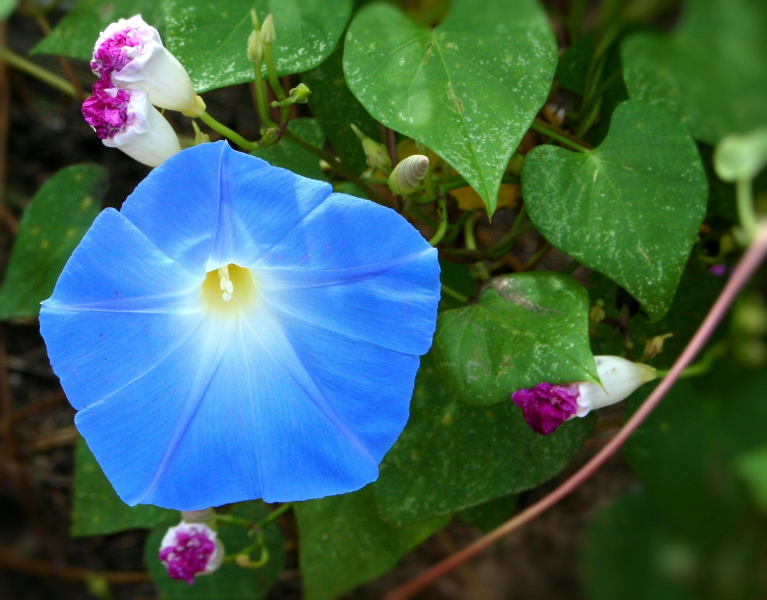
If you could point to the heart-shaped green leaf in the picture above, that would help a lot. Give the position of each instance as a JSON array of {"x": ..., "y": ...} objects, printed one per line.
[
  {"x": 345, "y": 543},
  {"x": 708, "y": 72},
  {"x": 53, "y": 224},
  {"x": 210, "y": 38},
  {"x": 526, "y": 328},
  {"x": 96, "y": 507},
  {"x": 452, "y": 456},
  {"x": 468, "y": 89},
  {"x": 230, "y": 582},
  {"x": 631, "y": 208},
  {"x": 77, "y": 32}
]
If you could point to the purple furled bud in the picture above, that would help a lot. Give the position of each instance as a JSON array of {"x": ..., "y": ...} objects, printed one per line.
[
  {"x": 106, "y": 110},
  {"x": 130, "y": 55},
  {"x": 546, "y": 406},
  {"x": 191, "y": 549},
  {"x": 126, "y": 120}
]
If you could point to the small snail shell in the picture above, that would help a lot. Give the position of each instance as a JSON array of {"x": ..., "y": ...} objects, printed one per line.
[{"x": 408, "y": 174}]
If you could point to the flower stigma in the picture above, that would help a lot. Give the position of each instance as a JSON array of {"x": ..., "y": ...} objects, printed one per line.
[{"x": 229, "y": 289}]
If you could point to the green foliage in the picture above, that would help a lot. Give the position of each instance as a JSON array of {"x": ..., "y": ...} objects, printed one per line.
[
  {"x": 7, "y": 7},
  {"x": 489, "y": 515},
  {"x": 468, "y": 89},
  {"x": 631, "y": 552},
  {"x": 209, "y": 38},
  {"x": 345, "y": 543},
  {"x": 452, "y": 456},
  {"x": 695, "y": 295},
  {"x": 526, "y": 328},
  {"x": 295, "y": 158},
  {"x": 53, "y": 224},
  {"x": 751, "y": 467},
  {"x": 699, "y": 430},
  {"x": 606, "y": 207},
  {"x": 335, "y": 107},
  {"x": 574, "y": 63},
  {"x": 706, "y": 72},
  {"x": 230, "y": 582},
  {"x": 78, "y": 31},
  {"x": 96, "y": 508},
  {"x": 458, "y": 278}
]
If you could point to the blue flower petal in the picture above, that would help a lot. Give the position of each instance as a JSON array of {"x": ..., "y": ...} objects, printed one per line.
[
  {"x": 222, "y": 431},
  {"x": 212, "y": 206},
  {"x": 296, "y": 395},
  {"x": 118, "y": 308},
  {"x": 378, "y": 283}
]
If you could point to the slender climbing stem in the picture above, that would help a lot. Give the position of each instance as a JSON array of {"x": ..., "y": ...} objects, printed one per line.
[
  {"x": 275, "y": 514},
  {"x": 751, "y": 260},
  {"x": 457, "y": 295},
  {"x": 558, "y": 135},
  {"x": 746, "y": 213},
  {"x": 38, "y": 72},
  {"x": 229, "y": 134},
  {"x": 471, "y": 244},
  {"x": 442, "y": 227}
]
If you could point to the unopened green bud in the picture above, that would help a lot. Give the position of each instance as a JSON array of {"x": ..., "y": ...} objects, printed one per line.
[
  {"x": 268, "y": 33},
  {"x": 300, "y": 93},
  {"x": 408, "y": 174},
  {"x": 376, "y": 154},
  {"x": 255, "y": 48},
  {"x": 741, "y": 157}
]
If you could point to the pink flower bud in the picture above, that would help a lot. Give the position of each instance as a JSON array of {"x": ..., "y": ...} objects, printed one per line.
[
  {"x": 545, "y": 407},
  {"x": 130, "y": 53},
  {"x": 191, "y": 549},
  {"x": 126, "y": 120}
]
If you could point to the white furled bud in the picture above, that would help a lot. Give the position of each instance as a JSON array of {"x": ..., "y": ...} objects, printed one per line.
[
  {"x": 126, "y": 120},
  {"x": 620, "y": 378},
  {"x": 131, "y": 55}
]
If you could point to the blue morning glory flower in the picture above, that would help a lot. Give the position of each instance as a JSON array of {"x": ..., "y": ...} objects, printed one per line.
[{"x": 237, "y": 331}]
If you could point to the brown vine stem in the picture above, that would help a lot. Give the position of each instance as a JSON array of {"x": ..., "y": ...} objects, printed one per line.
[
  {"x": 751, "y": 260},
  {"x": 18, "y": 562}
]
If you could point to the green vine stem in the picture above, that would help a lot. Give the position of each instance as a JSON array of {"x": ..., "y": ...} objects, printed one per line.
[
  {"x": 452, "y": 293},
  {"x": 229, "y": 134},
  {"x": 442, "y": 227},
  {"x": 560, "y": 136},
  {"x": 30, "y": 68},
  {"x": 471, "y": 244},
  {"x": 746, "y": 213}
]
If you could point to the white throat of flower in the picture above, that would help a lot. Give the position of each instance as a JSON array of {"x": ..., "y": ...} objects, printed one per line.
[{"x": 227, "y": 287}]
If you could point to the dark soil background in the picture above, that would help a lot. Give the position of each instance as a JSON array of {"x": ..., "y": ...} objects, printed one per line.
[{"x": 41, "y": 131}]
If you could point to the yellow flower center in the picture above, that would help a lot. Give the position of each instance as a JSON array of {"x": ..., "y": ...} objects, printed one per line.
[{"x": 229, "y": 290}]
